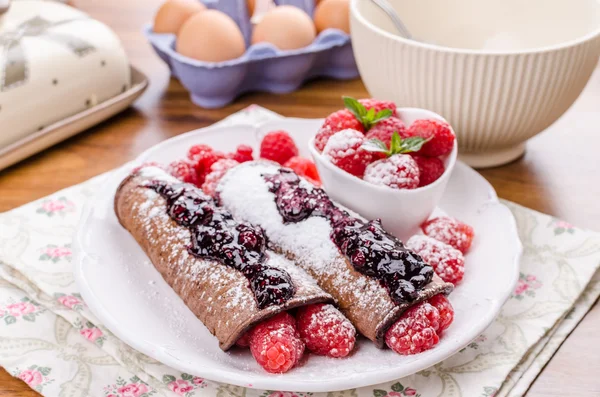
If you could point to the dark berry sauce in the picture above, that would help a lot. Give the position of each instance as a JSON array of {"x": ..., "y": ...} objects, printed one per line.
[
  {"x": 216, "y": 235},
  {"x": 370, "y": 249}
]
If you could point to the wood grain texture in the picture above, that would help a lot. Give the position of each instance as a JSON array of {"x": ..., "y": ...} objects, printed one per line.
[{"x": 558, "y": 174}]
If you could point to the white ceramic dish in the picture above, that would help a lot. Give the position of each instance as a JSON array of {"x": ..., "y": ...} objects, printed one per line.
[
  {"x": 73, "y": 125},
  {"x": 411, "y": 207},
  {"x": 130, "y": 298},
  {"x": 499, "y": 71}
]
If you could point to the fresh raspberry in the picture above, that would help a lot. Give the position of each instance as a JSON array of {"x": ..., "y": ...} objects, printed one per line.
[
  {"x": 384, "y": 129},
  {"x": 450, "y": 231},
  {"x": 325, "y": 330},
  {"x": 335, "y": 122},
  {"x": 370, "y": 103},
  {"x": 197, "y": 151},
  {"x": 415, "y": 331},
  {"x": 430, "y": 169},
  {"x": 344, "y": 149},
  {"x": 442, "y": 137},
  {"x": 447, "y": 262},
  {"x": 278, "y": 146},
  {"x": 203, "y": 157},
  {"x": 275, "y": 344},
  {"x": 304, "y": 167},
  {"x": 399, "y": 171},
  {"x": 184, "y": 171},
  {"x": 242, "y": 154},
  {"x": 444, "y": 307},
  {"x": 217, "y": 171}
]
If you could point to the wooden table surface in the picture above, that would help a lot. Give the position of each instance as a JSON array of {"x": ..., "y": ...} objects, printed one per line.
[{"x": 558, "y": 175}]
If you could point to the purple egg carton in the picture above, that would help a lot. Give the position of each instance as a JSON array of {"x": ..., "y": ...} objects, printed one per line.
[{"x": 263, "y": 67}]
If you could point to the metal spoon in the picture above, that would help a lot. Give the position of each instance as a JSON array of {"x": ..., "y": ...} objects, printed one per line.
[{"x": 389, "y": 10}]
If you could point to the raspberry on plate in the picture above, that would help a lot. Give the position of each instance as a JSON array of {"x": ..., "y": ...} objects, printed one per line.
[
  {"x": 399, "y": 171},
  {"x": 242, "y": 154},
  {"x": 344, "y": 149},
  {"x": 335, "y": 122},
  {"x": 447, "y": 262},
  {"x": 304, "y": 167},
  {"x": 430, "y": 169},
  {"x": 450, "y": 231},
  {"x": 443, "y": 305},
  {"x": 184, "y": 171},
  {"x": 217, "y": 171},
  {"x": 278, "y": 146},
  {"x": 384, "y": 130},
  {"x": 203, "y": 157},
  {"x": 275, "y": 344},
  {"x": 325, "y": 330},
  {"x": 377, "y": 105},
  {"x": 415, "y": 331},
  {"x": 441, "y": 136}
]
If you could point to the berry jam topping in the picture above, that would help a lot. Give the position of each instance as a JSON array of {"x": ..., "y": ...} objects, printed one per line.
[
  {"x": 371, "y": 250},
  {"x": 216, "y": 235}
]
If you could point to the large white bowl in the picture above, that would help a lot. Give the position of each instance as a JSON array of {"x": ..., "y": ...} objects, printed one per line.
[{"x": 499, "y": 71}]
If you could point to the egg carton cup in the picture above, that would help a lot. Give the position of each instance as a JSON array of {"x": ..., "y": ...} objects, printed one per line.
[{"x": 263, "y": 67}]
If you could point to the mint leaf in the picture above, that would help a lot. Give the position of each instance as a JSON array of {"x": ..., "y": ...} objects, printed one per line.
[
  {"x": 396, "y": 143},
  {"x": 379, "y": 393},
  {"x": 355, "y": 107},
  {"x": 413, "y": 144},
  {"x": 383, "y": 114},
  {"x": 375, "y": 145},
  {"x": 370, "y": 114}
]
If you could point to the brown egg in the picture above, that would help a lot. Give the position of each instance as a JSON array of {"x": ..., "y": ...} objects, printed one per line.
[
  {"x": 173, "y": 13},
  {"x": 210, "y": 36},
  {"x": 333, "y": 14},
  {"x": 286, "y": 27}
]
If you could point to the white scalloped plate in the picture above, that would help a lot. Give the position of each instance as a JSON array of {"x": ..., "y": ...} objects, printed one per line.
[{"x": 127, "y": 294}]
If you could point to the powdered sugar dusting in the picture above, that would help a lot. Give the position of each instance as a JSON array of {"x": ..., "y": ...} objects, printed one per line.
[
  {"x": 343, "y": 143},
  {"x": 399, "y": 171},
  {"x": 246, "y": 194},
  {"x": 447, "y": 261}
]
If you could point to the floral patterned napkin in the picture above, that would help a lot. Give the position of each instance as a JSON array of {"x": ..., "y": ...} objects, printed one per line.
[{"x": 50, "y": 340}]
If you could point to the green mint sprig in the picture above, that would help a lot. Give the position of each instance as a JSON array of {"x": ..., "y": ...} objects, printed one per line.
[
  {"x": 397, "y": 145},
  {"x": 368, "y": 118}
]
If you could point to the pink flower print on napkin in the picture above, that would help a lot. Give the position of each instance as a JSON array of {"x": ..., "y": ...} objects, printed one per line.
[
  {"x": 20, "y": 309},
  {"x": 398, "y": 390},
  {"x": 526, "y": 286},
  {"x": 184, "y": 384},
  {"x": 197, "y": 381},
  {"x": 91, "y": 334},
  {"x": 180, "y": 387},
  {"x": 134, "y": 387},
  {"x": 283, "y": 394},
  {"x": 132, "y": 390},
  {"x": 36, "y": 377},
  {"x": 561, "y": 227},
  {"x": 26, "y": 309},
  {"x": 55, "y": 253},
  {"x": 69, "y": 301},
  {"x": 32, "y": 377},
  {"x": 60, "y": 206}
]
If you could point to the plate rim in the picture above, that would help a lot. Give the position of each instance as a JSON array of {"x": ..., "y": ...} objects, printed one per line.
[{"x": 254, "y": 381}]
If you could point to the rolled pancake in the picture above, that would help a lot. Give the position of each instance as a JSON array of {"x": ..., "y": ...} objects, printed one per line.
[
  {"x": 362, "y": 299},
  {"x": 219, "y": 295}
]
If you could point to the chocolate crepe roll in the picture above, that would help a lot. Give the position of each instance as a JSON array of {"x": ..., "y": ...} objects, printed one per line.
[
  {"x": 370, "y": 273},
  {"x": 219, "y": 267}
]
